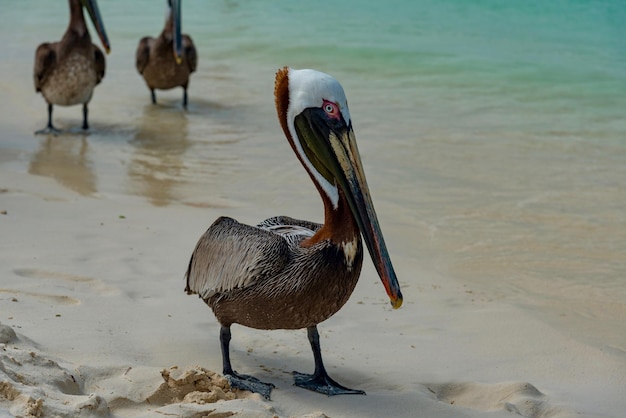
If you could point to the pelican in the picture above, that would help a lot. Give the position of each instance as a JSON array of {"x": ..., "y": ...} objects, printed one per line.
[
  {"x": 167, "y": 61},
  {"x": 286, "y": 273},
  {"x": 66, "y": 72}
]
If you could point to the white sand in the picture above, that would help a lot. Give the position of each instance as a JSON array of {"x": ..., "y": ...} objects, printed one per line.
[{"x": 93, "y": 312}]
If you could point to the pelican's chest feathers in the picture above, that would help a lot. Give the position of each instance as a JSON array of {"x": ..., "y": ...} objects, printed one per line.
[
  {"x": 72, "y": 81},
  {"x": 351, "y": 249}
]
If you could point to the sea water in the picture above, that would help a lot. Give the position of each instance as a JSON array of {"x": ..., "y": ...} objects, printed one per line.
[{"x": 493, "y": 133}]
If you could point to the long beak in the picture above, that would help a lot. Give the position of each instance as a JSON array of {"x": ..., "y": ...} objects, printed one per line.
[
  {"x": 337, "y": 155},
  {"x": 178, "y": 37},
  {"x": 96, "y": 19}
]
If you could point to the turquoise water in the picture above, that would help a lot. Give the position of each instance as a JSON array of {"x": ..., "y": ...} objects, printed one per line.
[
  {"x": 493, "y": 133},
  {"x": 561, "y": 65},
  {"x": 548, "y": 68}
]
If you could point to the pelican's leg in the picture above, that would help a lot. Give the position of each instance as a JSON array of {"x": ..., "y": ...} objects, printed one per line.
[
  {"x": 153, "y": 96},
  {"x": 50, "y": 129},
  {"x": 236, "y": 380},
  {"x": 85, "y": 116},
  {"x": 319, "y": 381},
  {"x": 185, "y": 97}
]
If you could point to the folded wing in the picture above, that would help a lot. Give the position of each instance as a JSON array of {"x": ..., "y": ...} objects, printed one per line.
[{"x": 231, "y": 255}]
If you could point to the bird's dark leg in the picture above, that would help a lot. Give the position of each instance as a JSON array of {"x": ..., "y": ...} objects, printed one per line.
[
  {"x": 185, "y": 97},
  {"x": 50, "y": 126},
  {"x": 236, "y": 380},
  {"x": 153, "y": 95},
  {"x": 50, "y": 129},
  {"x": 85, "y": 116},
  {"x": 225, "y": 345},
  {"x": 319, "y": 381}
]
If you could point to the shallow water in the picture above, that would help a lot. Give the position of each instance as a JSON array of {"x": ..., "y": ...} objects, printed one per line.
[{"x": 493, "y": 134}]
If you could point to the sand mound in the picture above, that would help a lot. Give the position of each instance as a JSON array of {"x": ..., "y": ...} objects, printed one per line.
[
  {"x": 32, "y": 385},
  {"x": 199, "y": 392},
  {"x": 35, "y": 385},
  {"x": 196, "y": 385},
  {"x": 522, "y": 399}
]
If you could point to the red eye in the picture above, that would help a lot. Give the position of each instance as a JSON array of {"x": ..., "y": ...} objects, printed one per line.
[{"x": 331, "y": 109}]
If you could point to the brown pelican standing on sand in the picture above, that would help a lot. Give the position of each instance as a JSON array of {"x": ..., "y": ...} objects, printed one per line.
[
  {"x": 167, "y": 61},
  {"x": 287, "y": 273},
  {"x": 67, "y": 71}
]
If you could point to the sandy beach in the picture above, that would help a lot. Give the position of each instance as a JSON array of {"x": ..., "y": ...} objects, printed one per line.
[
  {"x": 502, "y": 205},
  {"x": 93, "y": 312}
]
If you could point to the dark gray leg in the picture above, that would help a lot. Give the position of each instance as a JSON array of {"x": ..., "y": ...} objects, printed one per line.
[
  {"x": 319, "y": 381},
  {"x": 225, "y": 345},
  {"x": 85, "y": 116},
  {"x": 236, "y": 380},
  {"x": 153, "y": 96},
  {"x": 185, "y": 98},
  {"x": 50, "y": 116},
  {"x": 49, "y": 129}
]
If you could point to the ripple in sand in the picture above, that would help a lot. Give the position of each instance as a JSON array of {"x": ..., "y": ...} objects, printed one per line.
[{"x": 55, "y": 299}]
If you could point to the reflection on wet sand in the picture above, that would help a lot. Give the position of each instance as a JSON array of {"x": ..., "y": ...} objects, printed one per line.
[
  {"x": 66, "y": 159},
  {"x": 157, "y": 161}
]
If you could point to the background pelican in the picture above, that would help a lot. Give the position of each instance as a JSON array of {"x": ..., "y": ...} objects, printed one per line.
[
  {"x": 167, "y": 61},
  {"x": 286, "y": 273},
  {"x": 67, "y": 71}
]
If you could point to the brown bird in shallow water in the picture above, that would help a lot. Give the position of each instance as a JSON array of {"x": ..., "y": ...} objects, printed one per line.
[
  {"x": 167, "y": 61},
  {"x": 66, "y": 72},
  {"x": 286, "y": 273}
]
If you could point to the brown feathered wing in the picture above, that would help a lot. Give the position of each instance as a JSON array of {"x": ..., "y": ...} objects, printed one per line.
[{"x": 231, "y": 255}]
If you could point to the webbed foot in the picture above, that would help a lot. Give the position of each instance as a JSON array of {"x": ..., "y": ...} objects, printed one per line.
[
  {"x": 250, "y": 383},
  {"x": 50, "y": 130},
  {"x": 323, "y": 384}
]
